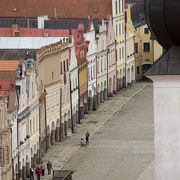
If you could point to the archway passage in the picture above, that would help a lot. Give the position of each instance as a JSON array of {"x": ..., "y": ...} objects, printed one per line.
[
  {"x": 110, "y": 91},
  {"x": 90, "y": 101},
  {"x": 98, "y": 95},
  {"x": 128, "y": 76},
  {"x": 105, "y": 90},
  {"x": 94, "y": 99},
  {"x": 102, "y": 93},
  {"x": 145, "y": 68},
  {"x": 114, "y": 84},
  {"x": 57, "y": 133},
  {"x": 132, "y": 74}
]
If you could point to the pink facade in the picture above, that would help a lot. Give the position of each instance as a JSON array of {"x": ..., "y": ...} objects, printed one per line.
[{"x": 111, "y": 45}]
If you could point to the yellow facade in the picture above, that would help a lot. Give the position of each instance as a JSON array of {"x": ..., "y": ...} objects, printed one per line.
[
  {"x": 119, "y": 30},
  {"x": 147, "y": 50},
  {"x": 83, "y": 78}
]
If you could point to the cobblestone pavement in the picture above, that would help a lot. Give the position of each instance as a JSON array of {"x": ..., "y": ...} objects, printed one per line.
[
  {"x": 122, "y": 142},
  {"x": 122, "y": 149}
]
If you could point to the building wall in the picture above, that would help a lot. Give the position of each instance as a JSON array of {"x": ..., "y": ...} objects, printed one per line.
[
  {"x": 145, "y": 59},
  {"x": 5, "y": 141},
  {"x": 118, "y": 9},
  {"x": 130, "y": 58}
]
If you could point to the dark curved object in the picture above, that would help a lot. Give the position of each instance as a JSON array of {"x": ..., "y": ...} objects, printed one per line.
[{"x": 163, "y": 19}]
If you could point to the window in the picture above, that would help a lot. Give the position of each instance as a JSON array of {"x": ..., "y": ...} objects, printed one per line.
[
  {"x": 136, "y": 47},
  {"x": 7, "y": 155},
  {"x": 137, "y": 69},
  {"x": 2, "y": 162},
  {"x": 101, "y": 65},
  {"x": 61, "y": 68},
  {"x": 116, "y": 30},
  {"x": 146, "y": 47},
  {"x": 119, "y": 28},
  {"x": 146, "y": 31},
  {"x": 119, "y": 6},
  {"x": 116, "y": 8},
  {"x": 67, "y": 64},
  {"x": 64, "y": 66},
  {"x": 120, "y": 53},
  {"x": 52, "y": 75}
]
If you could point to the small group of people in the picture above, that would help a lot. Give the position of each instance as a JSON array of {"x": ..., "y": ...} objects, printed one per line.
[
  {"x": 82, "y": 143},
  {"x": 40, "y": 170}
]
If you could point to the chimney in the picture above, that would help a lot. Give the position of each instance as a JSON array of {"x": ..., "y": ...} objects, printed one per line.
[
  {"x": 15, "y": 31},
  {"x": 41, "y": 20}
]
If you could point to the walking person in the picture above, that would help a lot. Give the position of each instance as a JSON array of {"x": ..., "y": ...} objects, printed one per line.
[
  {"x": 38, "y": 172},
  {"x": 87, "y": 137},
  {"x": 31, "y": 173},
  {"x": 43, "y": 168},
  {"x": 49, "y": 167}
]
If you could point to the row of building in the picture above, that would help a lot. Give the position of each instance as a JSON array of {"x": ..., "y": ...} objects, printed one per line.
[{"x": 53, "y": 71}]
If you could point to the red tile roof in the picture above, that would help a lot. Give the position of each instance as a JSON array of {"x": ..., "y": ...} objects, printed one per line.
[
  {"x": 72, "y": 9},
  {"x": 8, "y": 65},
  {"x": 33, "y": 32}
]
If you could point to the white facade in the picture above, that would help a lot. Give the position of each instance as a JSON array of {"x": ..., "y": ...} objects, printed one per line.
[
  {"x": 23, "y": 142},
  {"x": 73, "y": 70},
  {"x": 91, "y": 58},
  {"x": 102, "y": 63},
  {"x": 33, "y": 104}
]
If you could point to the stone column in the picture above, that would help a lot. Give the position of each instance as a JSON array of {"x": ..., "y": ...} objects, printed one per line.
[
  {"x": 124, "y": 82},
  {"x": 62, "y": 131},
  {"x": 32, "y": 162},
  {"x": 105, "y": 94},
  {"x": 52, "y": 137},
  {"x": 24, "y": 172},
  {"x": 27, "y": 169},
  {"x": 20, "y": 173},
  {"x": 35, "y": 160},
  {"x": 65, "y": 128},
  {"x": 48, "y": 139},
  {"x": 77, "y": 116},
  {"x": 57, "y": 134},
  {"x": 90, "y": 103},
  {"x": 102, "y": 96}
]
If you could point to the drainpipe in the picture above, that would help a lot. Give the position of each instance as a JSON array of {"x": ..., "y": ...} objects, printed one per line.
[
  {"x": 96, "y": 84},
  {"x": 107, "y": 74},
  {"x": 40, "y": 139},
  {"x": 45, "y": 118},
  {"x": 71, "y": 103},
  {"x": 60, "y": 105},
  {"x": 125, "y": 51},
  {"x": 78, "y": 98}
]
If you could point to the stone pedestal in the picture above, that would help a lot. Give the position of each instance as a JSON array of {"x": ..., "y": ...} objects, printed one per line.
[{"x": 57, "y": 134}]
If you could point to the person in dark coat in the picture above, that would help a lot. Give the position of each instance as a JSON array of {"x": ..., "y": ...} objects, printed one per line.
[
  {"x": 38, "y": 173},
  {"x": 43, "y": 168},
  {"x": 87, "y": 137},
  {"x": 31, "y": 173},
  {"x": 49, "y": 167}
]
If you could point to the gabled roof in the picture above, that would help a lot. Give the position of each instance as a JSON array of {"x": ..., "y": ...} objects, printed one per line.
[{"x": 72, "y": 9}]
